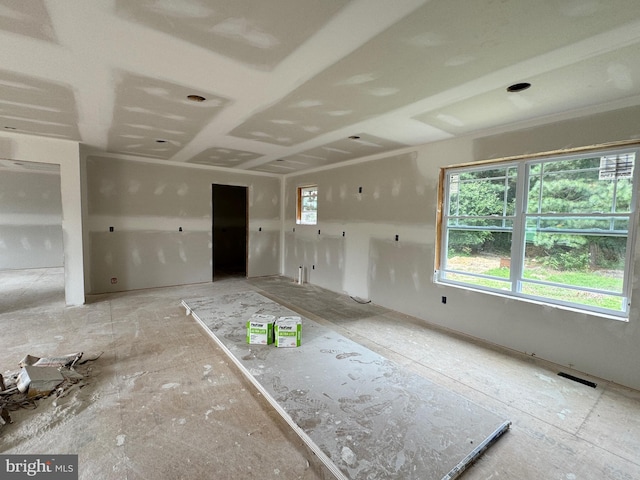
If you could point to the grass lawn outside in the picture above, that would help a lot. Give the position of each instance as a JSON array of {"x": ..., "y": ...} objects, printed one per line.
[{"x": 610, "y": 280}]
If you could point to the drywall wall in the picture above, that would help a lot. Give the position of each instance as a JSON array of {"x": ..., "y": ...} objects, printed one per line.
[
  {"x": 148, "y": 203},
  {"x": 320, "y": 256},
  {"x": 399, "y": 197},
  {"x": 25, "y": 148},
  {"x": 356, "y": 205},
  {"x": 30, "y": 217}
]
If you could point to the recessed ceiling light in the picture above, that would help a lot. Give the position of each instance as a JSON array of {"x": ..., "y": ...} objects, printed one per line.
[
  {"x": 196, "y": 98},
  {"x": 518, "y": 87},
  {"x": 354, "y": 137}
]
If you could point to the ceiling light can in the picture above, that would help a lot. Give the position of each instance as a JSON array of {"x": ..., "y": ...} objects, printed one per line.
[{"x": 518, "y": 87}]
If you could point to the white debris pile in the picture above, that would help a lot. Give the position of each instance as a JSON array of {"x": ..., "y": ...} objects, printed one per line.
[{"x": 37, "y": 378}]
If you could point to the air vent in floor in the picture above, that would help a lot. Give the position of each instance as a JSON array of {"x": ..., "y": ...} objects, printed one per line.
[{"x": 577, "y": 379}]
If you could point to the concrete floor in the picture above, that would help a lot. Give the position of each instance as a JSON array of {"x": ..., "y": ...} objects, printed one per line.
[{"x": 164, "y": 402}]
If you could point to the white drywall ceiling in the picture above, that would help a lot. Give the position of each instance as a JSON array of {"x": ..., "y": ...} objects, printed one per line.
[{"x": 288, "y": 81}]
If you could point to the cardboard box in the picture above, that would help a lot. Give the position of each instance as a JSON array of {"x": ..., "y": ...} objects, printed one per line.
[
  {"x": 260, "y": 329},
  {"x": 288, "y": 331}
]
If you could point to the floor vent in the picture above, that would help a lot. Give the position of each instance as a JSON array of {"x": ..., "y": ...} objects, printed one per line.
[{"x": 579, "y": 380}]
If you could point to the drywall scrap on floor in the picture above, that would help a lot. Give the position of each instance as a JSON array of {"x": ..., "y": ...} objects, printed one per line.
[
  {"x": 39, "y": 378},
  {"x": 363, "y": 415}
]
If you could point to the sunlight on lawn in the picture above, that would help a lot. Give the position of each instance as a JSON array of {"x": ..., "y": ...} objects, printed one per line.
[{"x": 610, "y": 280}]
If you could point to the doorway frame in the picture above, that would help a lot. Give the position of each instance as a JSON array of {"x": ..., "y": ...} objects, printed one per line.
[{"x": 246, "y": 228}]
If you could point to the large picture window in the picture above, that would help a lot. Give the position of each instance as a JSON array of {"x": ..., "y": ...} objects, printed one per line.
[
  {"x": 307, "y": 208},
  {"x": 557, "y": 230}
]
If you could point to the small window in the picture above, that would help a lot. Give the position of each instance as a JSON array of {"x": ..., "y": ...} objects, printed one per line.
[
  {"x": 559, "y": 230},
  {"x": 307, "y": 208}
]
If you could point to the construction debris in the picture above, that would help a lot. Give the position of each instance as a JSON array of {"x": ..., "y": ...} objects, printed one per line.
[
  {"x": 38, "y": 377},
  {"x": 64, "y": 361},
  {"x": 36, "y": 381}
]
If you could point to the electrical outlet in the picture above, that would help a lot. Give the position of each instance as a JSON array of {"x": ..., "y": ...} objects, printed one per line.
[{"x": 444, "y": 299}]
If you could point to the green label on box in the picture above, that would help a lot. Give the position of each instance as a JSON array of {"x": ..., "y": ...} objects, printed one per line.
[
  {"x": 260, "y": 333},
  {"x": 288, "y": 332}
]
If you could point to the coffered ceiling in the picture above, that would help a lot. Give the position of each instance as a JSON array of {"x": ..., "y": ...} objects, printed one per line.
[{"x": 294, "y": 84}]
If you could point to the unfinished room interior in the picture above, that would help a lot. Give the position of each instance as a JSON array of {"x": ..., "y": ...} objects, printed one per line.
[{"x": 437, "y": 197}]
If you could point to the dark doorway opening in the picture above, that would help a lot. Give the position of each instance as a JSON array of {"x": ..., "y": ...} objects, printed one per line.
[{"x": 229, "y": 225}]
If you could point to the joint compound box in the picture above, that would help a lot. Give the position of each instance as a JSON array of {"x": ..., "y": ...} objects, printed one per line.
[
  {"x": 260, "y": 329},
  {"x": 288, "y": 331}
]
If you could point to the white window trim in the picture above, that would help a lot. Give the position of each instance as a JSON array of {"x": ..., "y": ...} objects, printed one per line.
[{"x": 518, "y": 232}]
